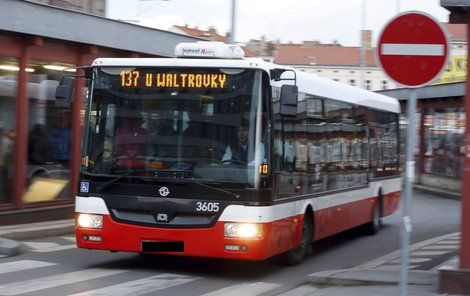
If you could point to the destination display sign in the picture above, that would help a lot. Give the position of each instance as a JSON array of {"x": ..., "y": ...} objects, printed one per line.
[{"x": 138, "y": 78}]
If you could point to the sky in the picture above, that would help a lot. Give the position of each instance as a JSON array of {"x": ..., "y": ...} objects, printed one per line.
[{"x": 289, "y": 21}]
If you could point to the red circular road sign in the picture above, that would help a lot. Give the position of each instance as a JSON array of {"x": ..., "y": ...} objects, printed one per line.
[{"x": 413, "y": 49}]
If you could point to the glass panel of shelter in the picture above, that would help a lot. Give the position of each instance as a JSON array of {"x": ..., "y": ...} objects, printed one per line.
[
  {"x": 443, "y": 139},
  {"x": 9, "y": 69},
  {"x": 49, "y": 149}
]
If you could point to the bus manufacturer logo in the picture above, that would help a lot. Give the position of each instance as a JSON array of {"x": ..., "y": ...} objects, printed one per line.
[
  {"x": 164, "y": 191},
  {"x": 162, "y": 217}
]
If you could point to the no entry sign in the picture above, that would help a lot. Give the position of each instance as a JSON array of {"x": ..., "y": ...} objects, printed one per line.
[{"x": 413, "y": 49}]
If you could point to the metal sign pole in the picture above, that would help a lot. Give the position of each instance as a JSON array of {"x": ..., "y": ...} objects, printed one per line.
[{"x": 406, "y": 202}]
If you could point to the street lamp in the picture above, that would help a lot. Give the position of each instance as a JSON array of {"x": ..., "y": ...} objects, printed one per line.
[{"x": 232, "y": 35}]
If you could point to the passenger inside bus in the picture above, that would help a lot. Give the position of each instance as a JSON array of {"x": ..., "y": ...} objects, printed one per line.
[
  {"x": 162, "y": 138},
  {"x": 130, "y": 139}
]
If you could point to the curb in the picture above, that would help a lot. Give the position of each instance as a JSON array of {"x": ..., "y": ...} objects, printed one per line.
[
  {"x": 37, "y": 230},
  {"x": 10, "y": 247},
  {"x": 362, "y": 277},
  {"x": 438, "y": 192}
]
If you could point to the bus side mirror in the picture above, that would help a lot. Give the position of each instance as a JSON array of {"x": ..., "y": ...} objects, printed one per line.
[
  {"x": 64, "y": 92},
  {"x": 289, "y": 95}
]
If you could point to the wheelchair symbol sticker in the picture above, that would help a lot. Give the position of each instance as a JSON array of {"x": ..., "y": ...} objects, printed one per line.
[{"x": 84, "y": 186}]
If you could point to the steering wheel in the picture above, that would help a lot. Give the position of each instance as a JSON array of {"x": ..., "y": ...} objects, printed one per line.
[{"x": 232, "y": 161}]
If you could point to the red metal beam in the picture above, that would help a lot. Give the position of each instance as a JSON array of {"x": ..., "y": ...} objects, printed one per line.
[
  {"x": 21, "y": 141},
  {"x": 465, "y": 224},
  {"x": 77, "y": 106}
]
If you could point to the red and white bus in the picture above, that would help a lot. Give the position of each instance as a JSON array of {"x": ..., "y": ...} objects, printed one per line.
[{"x": 212, "y": 154}]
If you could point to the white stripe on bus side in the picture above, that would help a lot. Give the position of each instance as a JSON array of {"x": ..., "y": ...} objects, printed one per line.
[{"x": 266, "y": 214}]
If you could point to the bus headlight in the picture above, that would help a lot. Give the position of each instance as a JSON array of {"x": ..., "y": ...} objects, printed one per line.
[
  {"x": 90, "y": 220},
  {"x": 243, "y": 230}
]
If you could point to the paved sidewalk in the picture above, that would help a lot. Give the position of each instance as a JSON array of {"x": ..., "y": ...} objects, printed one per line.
[
  {"x": 381, "y": 276},
  {"x": 371, "y": 282},
  {"x": 11, "y": 235},
  {"x": 37, "y": 230}
]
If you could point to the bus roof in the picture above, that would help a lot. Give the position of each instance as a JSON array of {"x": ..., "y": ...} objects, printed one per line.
[
  {"x": 307, "y": 82},
  {"x": 327, "y": 88}
]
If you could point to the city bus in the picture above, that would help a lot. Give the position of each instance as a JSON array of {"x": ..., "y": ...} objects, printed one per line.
[{"x": 212, "y": 154}]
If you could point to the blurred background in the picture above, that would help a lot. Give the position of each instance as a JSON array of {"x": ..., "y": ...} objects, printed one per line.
[{"x": 40, "y": 144}]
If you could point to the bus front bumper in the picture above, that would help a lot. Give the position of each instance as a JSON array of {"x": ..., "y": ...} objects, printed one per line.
[{"x": 198, "y": 242}]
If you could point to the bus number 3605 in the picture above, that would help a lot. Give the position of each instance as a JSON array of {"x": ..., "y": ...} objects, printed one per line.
[{"x": 207, "y": 206}]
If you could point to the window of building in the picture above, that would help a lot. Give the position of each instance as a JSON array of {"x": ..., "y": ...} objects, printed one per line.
[
  {"x": 368, "y": 85},
  {"x": 352, "y": 72},
  {"x": 49, "y": 148},
  {"x": 318, "y": 70},
  {"x": 384, "y": 84},
  {"x": 352, "y": 82},
  {"x": 314, "y": 106},
  {"x": 9, "y": 69}
]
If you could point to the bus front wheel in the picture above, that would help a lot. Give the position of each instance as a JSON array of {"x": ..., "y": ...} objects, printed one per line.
[{"x": 295, "y": 256}]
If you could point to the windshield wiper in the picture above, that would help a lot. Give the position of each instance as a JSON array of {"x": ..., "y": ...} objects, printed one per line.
[
  {"x": 206, "y": 186},
  {"x": 112, "y": 181}
]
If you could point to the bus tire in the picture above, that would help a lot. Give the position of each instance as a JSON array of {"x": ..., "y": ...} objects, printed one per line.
[
  {"x": 373, "y": 226},
  {"x": 295, "y": 256}
]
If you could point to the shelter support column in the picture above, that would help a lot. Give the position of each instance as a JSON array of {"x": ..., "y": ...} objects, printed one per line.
[
  {"x": 77, "y": 106},
  {"x": 21, "y": 138},
  {"x": 455, "y": 277}
]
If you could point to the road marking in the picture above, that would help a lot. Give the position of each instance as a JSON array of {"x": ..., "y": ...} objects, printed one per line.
[
  {"x": 300, "y": 291},
  {"x": 442, "y": 247},
  {"x": 44, "y": 247},
  {"x": 251, "y": 289},
  {"x": 69, "y": 238},
  {"x": 52, "y": 281},
  {"x": 141, "y": 286},
  {"x": 428, "y": 253},
  {"x": 22, "y": 265},
  {"x": 40, "y": 245},
  {"x": 396, "y": 254},
  {"x": 54, "y": 249},
  {"x": 413, "y": 49},
  {"x": 447, "y": 242}
]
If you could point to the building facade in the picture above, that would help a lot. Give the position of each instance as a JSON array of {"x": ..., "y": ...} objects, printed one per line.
[
  {"x": 210, "y": 34},
  {"x": 96, "y": 7},
  {"x": 343, "y": 63},
  {"x": 39, "y": 143},
  {"x": 336, "y": 62}
]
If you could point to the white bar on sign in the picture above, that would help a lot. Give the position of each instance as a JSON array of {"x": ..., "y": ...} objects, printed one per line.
[{"x": 413, "y": 49}]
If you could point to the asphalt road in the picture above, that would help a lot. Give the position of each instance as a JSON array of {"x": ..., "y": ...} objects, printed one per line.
[{"x": 54, "y": 266}]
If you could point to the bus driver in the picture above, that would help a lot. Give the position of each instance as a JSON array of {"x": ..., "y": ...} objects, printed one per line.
[{"x": 237, "y": 152}]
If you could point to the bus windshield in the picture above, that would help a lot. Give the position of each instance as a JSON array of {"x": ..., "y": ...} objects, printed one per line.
[{"x": 202, "y": 124}]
